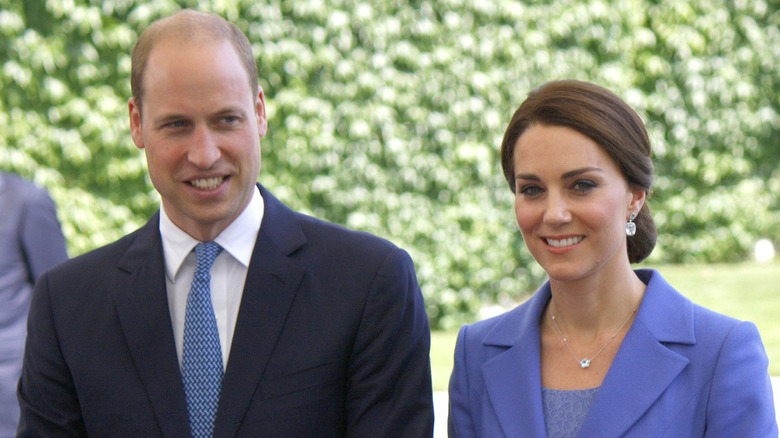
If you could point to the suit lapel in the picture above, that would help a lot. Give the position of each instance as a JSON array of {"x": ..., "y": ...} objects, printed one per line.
[
  {"x": 142, "y": 306},
  {"x": 272, "y": 281},
  {"x": 512, "y": 378},
  {"x": 644, "y": 367}
]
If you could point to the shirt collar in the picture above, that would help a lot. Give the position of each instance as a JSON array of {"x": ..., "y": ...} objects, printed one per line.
[{"x": 238, "y": 239}]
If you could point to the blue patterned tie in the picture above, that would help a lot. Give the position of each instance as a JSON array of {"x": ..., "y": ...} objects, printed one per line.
[{"x": 202, "y": 367}]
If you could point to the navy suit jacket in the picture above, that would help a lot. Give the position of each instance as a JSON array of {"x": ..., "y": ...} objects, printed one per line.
[
  {"x": 681, "y": 371},
  {"x": 331, "y": 339}
]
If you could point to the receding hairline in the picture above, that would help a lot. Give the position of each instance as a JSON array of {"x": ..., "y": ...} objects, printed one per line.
[{"x": 189, "y": 26}]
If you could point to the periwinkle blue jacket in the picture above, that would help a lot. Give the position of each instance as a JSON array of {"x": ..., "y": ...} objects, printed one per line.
[{"x": 681, "y": 371}]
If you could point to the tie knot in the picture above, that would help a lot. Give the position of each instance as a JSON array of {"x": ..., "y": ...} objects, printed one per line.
[{"x": 205, "y": 254}]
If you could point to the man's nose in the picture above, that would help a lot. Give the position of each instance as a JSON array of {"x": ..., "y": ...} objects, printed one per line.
[{"x": 204, "y": 150}]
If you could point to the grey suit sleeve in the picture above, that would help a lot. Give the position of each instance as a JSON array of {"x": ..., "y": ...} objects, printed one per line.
[
  {"x": 389, "y": 384},
  {"x": 41, "y": 236}
]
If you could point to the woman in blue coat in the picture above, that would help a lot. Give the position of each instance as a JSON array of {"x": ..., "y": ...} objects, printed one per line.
[{"x": 600, "y": 350}]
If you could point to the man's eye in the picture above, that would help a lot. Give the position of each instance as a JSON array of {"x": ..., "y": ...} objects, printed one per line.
[{"x": 176, "y": 124}]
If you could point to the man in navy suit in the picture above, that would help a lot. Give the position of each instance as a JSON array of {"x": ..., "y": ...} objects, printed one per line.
[
  {"x": 31, "y": 241},
  {"x": 322, "y": 331}
]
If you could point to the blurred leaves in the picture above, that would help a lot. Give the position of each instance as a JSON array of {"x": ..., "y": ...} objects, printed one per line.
[{"x": 388, "y": 116}]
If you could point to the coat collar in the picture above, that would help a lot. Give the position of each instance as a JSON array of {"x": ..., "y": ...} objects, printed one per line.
[
  {"x": 142, "y": 307},
  {"x": 513, "y": 379},
  {"x": 272, "y": 280},
  {"x": 643, "y": 360}
]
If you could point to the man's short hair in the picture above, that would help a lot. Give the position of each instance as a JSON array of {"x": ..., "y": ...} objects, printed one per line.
[{"x": 189, "y": 25}]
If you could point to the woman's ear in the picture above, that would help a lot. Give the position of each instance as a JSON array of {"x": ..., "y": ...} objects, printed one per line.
[{"x": 638, "y": 196}]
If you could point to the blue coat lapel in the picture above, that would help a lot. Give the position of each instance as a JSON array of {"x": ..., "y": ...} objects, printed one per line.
[
  {"x": 512, "y": 378},
  {"x": 272, "y": 281},
  {"x": 642, "y": 370},
  {"x": 142, "y": 307},
  {"x": 643, "y": 367}
]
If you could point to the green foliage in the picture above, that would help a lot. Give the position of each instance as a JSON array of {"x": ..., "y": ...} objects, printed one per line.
[{"x": 387, "y": 117}]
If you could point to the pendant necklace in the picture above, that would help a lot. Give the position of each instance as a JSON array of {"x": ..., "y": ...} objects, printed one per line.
[{"x": 585, "y": 362}]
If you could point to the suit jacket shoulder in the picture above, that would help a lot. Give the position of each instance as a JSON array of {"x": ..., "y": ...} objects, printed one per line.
[
  {"x": 353, "y": 301},
  {"x": 291, "y": 230},
  {"x": 126, "y": 252}
]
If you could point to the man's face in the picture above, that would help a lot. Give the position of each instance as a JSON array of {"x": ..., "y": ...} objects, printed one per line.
[{"x": 201, "y": 130}]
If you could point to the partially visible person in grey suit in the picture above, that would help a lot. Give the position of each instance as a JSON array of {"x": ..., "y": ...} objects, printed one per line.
[{"x": 30, "y": 242}]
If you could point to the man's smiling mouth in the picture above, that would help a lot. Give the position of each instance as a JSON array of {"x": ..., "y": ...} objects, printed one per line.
[{"x": 207, "y": 183}]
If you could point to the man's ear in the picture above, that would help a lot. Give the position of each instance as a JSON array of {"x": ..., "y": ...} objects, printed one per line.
[
  {"x": 262, "y": 118},
  {"x": 135, "y": 123}
]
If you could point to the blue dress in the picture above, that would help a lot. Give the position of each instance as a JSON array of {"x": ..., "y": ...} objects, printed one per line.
[{"x": 564, "y": 410}]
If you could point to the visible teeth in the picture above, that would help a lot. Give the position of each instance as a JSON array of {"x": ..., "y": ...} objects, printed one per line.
[
  {"x": 564, "y": 242},
  {"x": 208, "y": 183}
]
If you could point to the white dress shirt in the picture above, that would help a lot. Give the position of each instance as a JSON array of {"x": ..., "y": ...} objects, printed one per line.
[{"x": 228, "y": 274}]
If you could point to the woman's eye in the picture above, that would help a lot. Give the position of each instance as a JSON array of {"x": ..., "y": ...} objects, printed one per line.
[
  {"x": 530, "y": 190},
  {"x": 584, "y": 186}
]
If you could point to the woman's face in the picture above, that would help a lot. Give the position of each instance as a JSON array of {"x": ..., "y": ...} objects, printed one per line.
[{"x": 571, "y": 202}]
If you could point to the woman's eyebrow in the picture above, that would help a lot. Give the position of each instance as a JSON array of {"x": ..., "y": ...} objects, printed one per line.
[
  {"x": 566, "y": 175},
  {"x": 576, "y": 172}
]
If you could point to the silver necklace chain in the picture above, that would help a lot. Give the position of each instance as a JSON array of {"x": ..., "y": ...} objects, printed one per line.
[{"x": 585, "y": 362}]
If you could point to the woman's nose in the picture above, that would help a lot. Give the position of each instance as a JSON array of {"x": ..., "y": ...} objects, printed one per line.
[{"x": 556, "y": 210}]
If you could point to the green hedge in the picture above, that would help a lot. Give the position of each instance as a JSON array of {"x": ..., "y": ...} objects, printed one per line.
[{"x": 387, "y": 116}]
